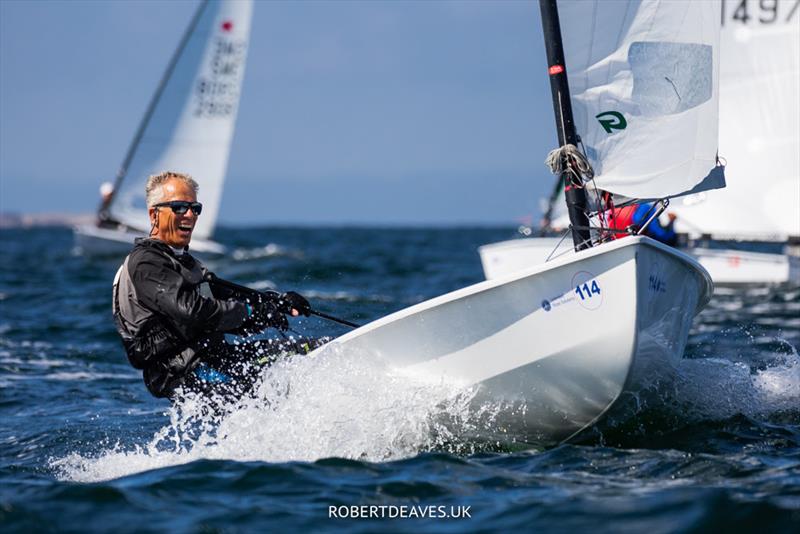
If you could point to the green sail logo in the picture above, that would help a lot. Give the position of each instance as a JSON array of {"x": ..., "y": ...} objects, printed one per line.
[{"x": 612, "y": 120}]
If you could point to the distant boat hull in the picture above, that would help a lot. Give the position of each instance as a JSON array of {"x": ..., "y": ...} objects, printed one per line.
[
  {"x": 726, "y": 266},
  {"x": 92, "y": 240},
  {"x": 504, "y": 257},
  {"x": 187, "y": 127},
  {"x": 514, "y": 338},
  {"x": 741, "y": 267}
]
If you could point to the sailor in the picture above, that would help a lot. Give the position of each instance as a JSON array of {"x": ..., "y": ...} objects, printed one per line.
[
  {"x": 636, "y": 215},
  {"x": 172, "y": 313},
  {"x": 104, "y": 219},
  {"x": 106, "y": 192}
]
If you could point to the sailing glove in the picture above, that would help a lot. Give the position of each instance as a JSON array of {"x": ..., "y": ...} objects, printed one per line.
[
  {"x": 294, "y": 301},
  {"x": 265, "y": 315}
]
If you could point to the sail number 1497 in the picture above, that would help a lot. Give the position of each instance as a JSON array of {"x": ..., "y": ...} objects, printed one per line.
[{"x": 759, "y": 12}]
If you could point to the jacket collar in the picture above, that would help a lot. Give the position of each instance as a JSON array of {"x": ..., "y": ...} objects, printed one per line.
[{"x": 149, "y": 242}]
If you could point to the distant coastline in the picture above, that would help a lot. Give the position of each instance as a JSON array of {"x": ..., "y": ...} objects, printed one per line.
[{"x": 28, "y": 220}]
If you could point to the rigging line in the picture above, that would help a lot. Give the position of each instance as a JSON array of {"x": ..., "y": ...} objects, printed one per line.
[
  {"x": 585, "y": 241},
  {"x": 561, "y": 119},
  {"x": 562, "y": 253},
  {"x": 579, "y": 227},
  {"x": 607, "y": 229},
  {"x": 564, "y": 236},
  {"x": 598, "y": 202},
  {"x": 664, "y": 204},
  {"x": 650, "y": 210},
  {"x": 628, "y": 202},
  {"x": 123, "y": 170}
]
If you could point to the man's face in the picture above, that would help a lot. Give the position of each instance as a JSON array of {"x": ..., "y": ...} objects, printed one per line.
[{"x": 173, "y": 229}]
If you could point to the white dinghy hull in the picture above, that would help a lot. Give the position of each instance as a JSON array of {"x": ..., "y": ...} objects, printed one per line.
[
  {"x": 514, "y": 338},
  {"x": 505, "y": 257},
  {"x": 726, "y": 266},
  {"x": 95, "y": 241},
  {"x": 733, "y": 267}
]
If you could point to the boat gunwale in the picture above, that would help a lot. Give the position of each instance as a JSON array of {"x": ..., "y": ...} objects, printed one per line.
[{"x": 487, "y": 285}]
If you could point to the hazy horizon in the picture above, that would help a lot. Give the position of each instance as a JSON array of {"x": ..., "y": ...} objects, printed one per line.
[{"x": 357, "y": 112}]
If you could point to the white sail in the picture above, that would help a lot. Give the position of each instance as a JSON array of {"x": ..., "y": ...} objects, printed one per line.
[
  {"x": 190, "y": 124},
  {"x": 759, "y": 128},
  {"x": 643, "y": 78}
]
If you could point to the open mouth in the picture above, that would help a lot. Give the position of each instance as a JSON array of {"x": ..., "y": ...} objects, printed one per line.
[{"x": 185, "y": 228}]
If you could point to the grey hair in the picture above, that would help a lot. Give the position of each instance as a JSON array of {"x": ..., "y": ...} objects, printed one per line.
[{"x": 153, "y": 190}]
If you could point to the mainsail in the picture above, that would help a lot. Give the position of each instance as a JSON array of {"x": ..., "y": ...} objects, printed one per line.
[
  {"x": 642, "y": 75},
  {"x": 189, "y": 124},
  {"x": 759, "y": 128}
]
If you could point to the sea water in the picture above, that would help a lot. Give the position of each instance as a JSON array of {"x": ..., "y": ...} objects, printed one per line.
[{"x": 341, "y": 440}]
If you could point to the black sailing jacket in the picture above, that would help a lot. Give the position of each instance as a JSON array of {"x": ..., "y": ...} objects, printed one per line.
[{"x": 163, "y": 318}]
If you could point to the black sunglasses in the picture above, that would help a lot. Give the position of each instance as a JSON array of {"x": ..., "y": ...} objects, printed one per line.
[{"x": 181, "y": 206}]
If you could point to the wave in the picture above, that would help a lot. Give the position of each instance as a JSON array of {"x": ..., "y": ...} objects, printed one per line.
[
  {"x": 709, "y": 396},
  {"x": 357, "y": 406},
  {"x": 305, "y": 408},
  {"x": 69, "y": 376},
  {"x": 267, "y": 251},
  {"x": 346, "y": 296},
  {"x": 716, "y": 388}
]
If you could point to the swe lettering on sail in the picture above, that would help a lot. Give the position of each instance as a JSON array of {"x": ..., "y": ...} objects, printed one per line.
[{"x": 217, "y": 89}]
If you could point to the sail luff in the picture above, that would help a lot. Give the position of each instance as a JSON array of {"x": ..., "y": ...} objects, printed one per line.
[
  {"x": 191, "y": 126},
  {"x": 151, "y": 106}
]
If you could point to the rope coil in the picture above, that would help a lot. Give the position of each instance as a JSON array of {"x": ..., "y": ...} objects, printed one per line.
[{"x": 575, "y": 160}]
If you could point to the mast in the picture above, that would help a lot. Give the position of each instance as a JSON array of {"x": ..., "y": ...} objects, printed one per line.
[
  {"x": 551, "y": 205},
  {"x": 123, "y": 170},
  {"x": 574, "y": 193}
]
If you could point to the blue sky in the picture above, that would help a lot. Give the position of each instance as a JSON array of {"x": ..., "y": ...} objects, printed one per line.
[{"x": 352, "y": 112}]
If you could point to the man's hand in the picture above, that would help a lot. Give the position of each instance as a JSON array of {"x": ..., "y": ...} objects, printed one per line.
[
  {"x": 294, "y": 304},
  {"x": 266, "y": 314}
]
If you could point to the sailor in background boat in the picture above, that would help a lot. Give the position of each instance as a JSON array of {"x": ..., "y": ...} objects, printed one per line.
[
  {"x": 171, "y": 314},
  {"x": 636, "y": 215},
  {"x": 103, "y": 216},
  {"x": 106, "y": 190}
]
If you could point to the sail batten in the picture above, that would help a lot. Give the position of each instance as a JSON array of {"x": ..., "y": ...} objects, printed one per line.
[{"x": 190, "y": 123}]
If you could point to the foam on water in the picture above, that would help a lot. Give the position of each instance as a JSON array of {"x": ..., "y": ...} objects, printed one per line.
[
  {"x": 75, "y": 376},
  {"x": 346, "y": 296},
  {"x": 356, "y": 406},
  {"x": 335, "y": 404},
  {"x": 266, "y": 251},
  {"x": 715, "y": 388}
]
